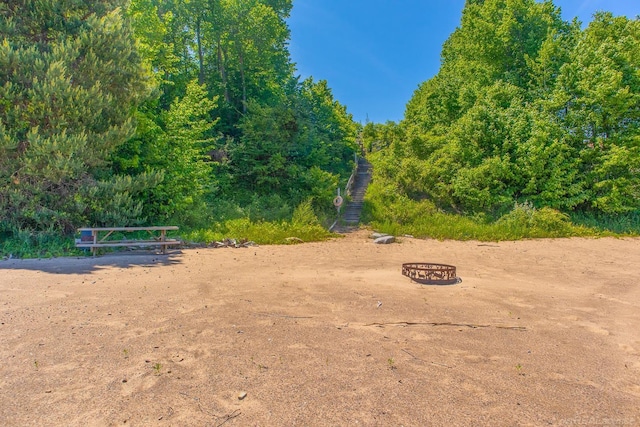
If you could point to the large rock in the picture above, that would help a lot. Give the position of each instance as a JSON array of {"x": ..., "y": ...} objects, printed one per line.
[{"x": 384, "y": 240}]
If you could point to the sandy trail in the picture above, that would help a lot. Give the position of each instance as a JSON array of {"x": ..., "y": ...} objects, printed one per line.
[{"x": 539, "y": 332}]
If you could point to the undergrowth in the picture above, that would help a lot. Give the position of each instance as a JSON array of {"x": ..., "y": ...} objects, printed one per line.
[
  {"x": 399, "y": 215},
  {"x": 389, "y": 213},
  {"x": 303, "y": 226},
  {"x": 29, "y": 244},
  {"x": 300, "y": 225}
]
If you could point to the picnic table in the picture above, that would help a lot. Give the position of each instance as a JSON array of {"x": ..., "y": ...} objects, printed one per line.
[{"x": 102, "y": 237}]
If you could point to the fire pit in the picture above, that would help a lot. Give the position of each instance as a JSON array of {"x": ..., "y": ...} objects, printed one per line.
[{"x": 429, "y": 273}]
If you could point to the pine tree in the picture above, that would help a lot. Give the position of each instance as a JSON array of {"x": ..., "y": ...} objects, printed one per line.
[{"x": 70, "y": 79}]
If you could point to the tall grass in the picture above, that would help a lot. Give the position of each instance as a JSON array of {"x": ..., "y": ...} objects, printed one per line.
[
  {"x": 303, "y": 226},
  {"x": 29, "y": 244},
  {"x": 623, "y": 224},
  {"x": 421, "y": 219}
]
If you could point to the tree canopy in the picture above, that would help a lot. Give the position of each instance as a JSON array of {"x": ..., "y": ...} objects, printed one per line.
[
  {"x": 525, "y": 108},
  {"x": 119, "y": 112},
  {"x": 123, "y": 112}
]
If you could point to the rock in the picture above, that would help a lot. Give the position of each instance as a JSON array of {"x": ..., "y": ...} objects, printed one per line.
[
  {"x": 384, "y": 240},
  {"x": 242, "y": 395},
  {"x": 378, "y": 235}
]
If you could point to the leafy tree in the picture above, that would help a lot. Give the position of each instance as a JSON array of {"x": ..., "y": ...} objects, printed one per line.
[
  {"x": 112, "y": 116},
  {"x": 598, "y": 98},
  {"x": 186, "y": 143},
  {"x": 297, "y": 148},
  {"x": 525, "y": 108}
]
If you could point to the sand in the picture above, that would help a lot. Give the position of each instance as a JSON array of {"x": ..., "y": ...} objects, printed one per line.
[{"x": 539, "y": 332}]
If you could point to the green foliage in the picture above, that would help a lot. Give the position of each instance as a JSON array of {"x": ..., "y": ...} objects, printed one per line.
[
  {"x": 599, "y": 96},
  {"x": 183, "y": 156},
  {"x": 163, "y": 111},
  {"x": 304, "y": 226},
  {"x": 172, "y": 147},
  {"x": 284, "y": 150},
  {"x": 619, "y": 224},
  {"x": 522, "y": 222},
  {"x": 526, "y": 108},
  {"x": 68, "y": 88},
  {"x": 304, "y": 215},
  {"x": 190, "y": 113},
  {"x": 526, "y": 221},
  {"x": 377, "y": 136},
  {"x": 267, "y": 208},
  {"x": 274, "y": 141},
  {"x": 30, "y": 244}
]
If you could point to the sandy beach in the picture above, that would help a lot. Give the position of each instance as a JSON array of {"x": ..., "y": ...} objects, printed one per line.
[{"x": 539, "y": 332}]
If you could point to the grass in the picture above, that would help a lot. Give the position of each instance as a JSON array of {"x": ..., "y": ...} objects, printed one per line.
[
  {"x": 262, "y": 233},
  {"x": 395, "y": 215},
  {"x": 304, "y": 225},
  {"x": 522, "y": 222},
  {"x": 28, "y": 244}
]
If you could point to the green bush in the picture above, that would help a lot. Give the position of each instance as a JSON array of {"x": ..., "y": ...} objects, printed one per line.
[
  {"x": 304, "y": 226},
  {"x": 526, "y": 221},
  {"x": 31, "y": 244},
  {"x": 522, "y": 222}
]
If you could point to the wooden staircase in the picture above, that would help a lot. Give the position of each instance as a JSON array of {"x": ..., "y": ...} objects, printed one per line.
[{"x": 350, "y": 218}]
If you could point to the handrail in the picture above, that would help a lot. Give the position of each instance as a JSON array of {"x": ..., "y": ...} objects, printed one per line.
[{"x": 347, "y": 188}]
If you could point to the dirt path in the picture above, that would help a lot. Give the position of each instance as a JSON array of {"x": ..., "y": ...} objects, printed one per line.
[{"x": 542, "y": 332}]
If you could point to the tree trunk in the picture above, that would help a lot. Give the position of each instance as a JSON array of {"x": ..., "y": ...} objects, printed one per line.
[
  {"x": 200, "y": 53},
  {"x": 244, "y": 84},
  {"x": 222, "y": 59}
]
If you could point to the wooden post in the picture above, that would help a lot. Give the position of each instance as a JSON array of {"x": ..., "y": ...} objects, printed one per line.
[{"x": 94, "y": 234}]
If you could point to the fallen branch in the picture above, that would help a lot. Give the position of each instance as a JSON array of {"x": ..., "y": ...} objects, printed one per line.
[
  {"x": 230, "y": 417},
  {"x": 422, "y": 360},
  {"x": 466, "y": 325},
  {"x": 285, "y": 316},
  {"x": 417, "y": 358},
  {"x": 441, "y": 364},
  {"x": 233, "y": 243}
]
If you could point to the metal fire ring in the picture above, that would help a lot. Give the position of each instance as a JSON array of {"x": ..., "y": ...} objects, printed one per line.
[{"x": 430, "y": 274}]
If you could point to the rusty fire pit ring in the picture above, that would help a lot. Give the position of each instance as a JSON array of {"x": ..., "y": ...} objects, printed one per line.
[{"x": 429, "y": 273}]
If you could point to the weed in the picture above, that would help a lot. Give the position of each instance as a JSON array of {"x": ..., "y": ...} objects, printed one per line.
[
  {"x": 157, "y": 367},
  {"x": 391, "y": 363}
]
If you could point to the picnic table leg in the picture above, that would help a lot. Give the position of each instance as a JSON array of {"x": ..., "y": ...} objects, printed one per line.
[
  {"x": 163, "y": 238},
  {"x": 94, "y": 234}
]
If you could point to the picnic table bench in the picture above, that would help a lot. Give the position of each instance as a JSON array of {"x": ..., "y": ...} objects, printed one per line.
[{"x": 102, "y": 237}]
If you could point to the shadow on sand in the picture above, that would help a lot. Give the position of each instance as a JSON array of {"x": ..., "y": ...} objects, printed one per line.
[{"x": 89, "y": 264}]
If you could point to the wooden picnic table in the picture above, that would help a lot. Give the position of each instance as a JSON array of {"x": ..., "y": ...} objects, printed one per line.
[{"x": 101, "y": 237}]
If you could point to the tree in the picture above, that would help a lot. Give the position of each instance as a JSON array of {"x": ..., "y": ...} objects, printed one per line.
[
  {"x": 525, "y": 107},
  {"x": 71, "y": 78},
  {"x": 598, "y": 98}
]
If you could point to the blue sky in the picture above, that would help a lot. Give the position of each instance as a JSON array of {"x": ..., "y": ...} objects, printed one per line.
[{"x": 375, "y": 53}]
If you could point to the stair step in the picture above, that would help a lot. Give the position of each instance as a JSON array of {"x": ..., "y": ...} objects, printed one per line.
[{"x": 353, "y": 209}]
